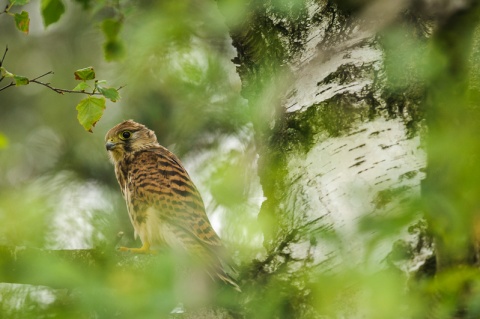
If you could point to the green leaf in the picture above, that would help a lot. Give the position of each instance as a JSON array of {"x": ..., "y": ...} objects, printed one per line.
[
  {"x": 113, "y": 47},
  {"x": 113, "y": 50},
  {"x": 86, "y": 4},
  {"x": 20, "y": 80},
  {"x": 19, "y": 2},
  {"x": 3, "y": 141},
  {"x": 82, "y": 86},
  {"x": 5, "y": 73},
  {"x": 85, "y": 74},
  {"x": 111, "y": 28},
  {"x": 52, "y": 10},
  {"x": 109, "y": 93},
  {"x": 22, "y": 21},
  {"x": 90, "y": 110}
]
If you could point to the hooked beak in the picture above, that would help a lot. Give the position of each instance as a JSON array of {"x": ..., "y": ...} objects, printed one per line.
[{"x": 110, "y": 145}]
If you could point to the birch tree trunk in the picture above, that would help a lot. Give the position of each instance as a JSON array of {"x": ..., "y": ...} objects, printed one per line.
[
  {"x": 340, "y": 92},
  {"x": 339, "y": 141}
]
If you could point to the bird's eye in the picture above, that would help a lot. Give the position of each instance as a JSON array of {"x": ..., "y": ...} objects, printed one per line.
[{"x": 126, "y": 135}]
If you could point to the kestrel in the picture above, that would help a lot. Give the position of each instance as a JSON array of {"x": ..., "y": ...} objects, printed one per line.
[{"x": 163, "y": 204}]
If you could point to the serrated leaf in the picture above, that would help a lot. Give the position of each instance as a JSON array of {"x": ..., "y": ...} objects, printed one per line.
[
  {"x": 82, "y": 86},
  {"x": 19, "y": 2},
  {"x": 110, "y": 93},
  {"x": 52, "y": 10},
  {"x": 22, "y": 21},
  {"x": 20, "y": 80},
  {"x": 90, "y": 110},
  {"x": 111, "y": 28},
  {"x": 85, "y": 74}
]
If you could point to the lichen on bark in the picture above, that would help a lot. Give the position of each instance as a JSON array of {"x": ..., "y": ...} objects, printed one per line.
[{"x": 335, "y": 140}]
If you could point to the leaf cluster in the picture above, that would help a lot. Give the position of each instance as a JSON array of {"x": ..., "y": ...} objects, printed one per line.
[
  {"x": 51, "y": 11},
  {"x": 90, "y": 109}
]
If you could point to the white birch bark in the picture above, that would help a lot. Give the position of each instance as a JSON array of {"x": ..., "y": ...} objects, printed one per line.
[
  {"x": 342, "y": 178},
  {"x": 346, "y": 152}
]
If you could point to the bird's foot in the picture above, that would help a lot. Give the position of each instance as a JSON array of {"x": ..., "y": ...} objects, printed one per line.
[{"x": 145, "y": 249}]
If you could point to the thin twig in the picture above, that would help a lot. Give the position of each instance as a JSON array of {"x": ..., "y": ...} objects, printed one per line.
[
  {"x": 41, "y": 76},
  {"x": 1, "y": 61},
  {"x": 5, "y": 10},
  {"x": 7, "y": 86},
  {"x": 47, "y": 85},
  {"x": 56, "y": 90},
  {"x": 61, "y": 91},
  {"x": 4, "y": 55}
]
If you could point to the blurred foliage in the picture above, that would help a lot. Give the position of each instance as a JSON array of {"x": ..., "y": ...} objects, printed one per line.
[
  {"x": 58, "y": 191},
  {"x": 453, "y": 118},
  {"x": 57, "y": 188}
]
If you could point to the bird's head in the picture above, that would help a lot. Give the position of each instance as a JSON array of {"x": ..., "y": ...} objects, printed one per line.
[{"x": 128, "y": 137}]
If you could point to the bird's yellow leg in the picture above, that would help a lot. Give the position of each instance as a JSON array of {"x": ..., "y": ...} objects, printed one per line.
[{"x": 145, "y": 249}]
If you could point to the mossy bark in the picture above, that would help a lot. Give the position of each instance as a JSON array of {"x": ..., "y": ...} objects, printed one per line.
[{"x": 329, "y": 119}]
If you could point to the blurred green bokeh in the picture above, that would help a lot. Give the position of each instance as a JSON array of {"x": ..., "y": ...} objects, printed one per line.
[
  {"x": 58, "y": 190},
  {"x": 57, "y": 187}
]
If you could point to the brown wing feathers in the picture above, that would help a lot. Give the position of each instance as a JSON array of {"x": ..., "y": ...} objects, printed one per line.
[{"x": 151, "y": 176}]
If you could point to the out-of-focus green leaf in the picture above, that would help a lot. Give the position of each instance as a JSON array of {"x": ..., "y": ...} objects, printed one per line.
[
  {"x": 111, "y": 28},
  {"x": 85, "y": 74},
  {"x": 86, "y": 4},
  {"x": 227, "y": 183},
  {"x": 5, "y": 73},
  {"x": 52, "y": 10},
  {"x": 3, "y": 141},
  {"x": 113, "y": 47},
  {"x": 113, "y": 50},
  {"x": 109, "y": 93},
  {"x": 22, "y": 21},
  {"x": 20, "y": 80},
  {"x": 90, "y": 110},
  {"x": 82, "y": 86},
  {"x": 19, "y": 2}
]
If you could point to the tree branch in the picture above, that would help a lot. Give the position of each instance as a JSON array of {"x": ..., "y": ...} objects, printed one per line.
[
  {"x": 56, "y": 90},
  {"x": 7, "y": 86},
  {"x": 1, "y": 61},
  {"x": 46, "y": 84},
  {"x": 4, "y": 55},
  {"x": 7, "y": 8}
]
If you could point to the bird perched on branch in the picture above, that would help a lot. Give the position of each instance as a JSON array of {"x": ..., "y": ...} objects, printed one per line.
[{"x": 164, "y": 205}]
